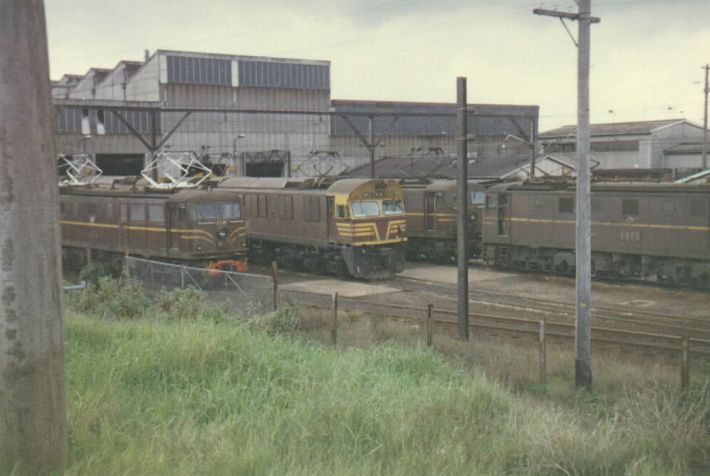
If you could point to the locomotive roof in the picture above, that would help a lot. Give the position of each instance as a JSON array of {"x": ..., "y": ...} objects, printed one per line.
[
  {"x": 569, "y": 186},
  {"x": 439, "y": 185},
  {"x": 341, "y": 186}
]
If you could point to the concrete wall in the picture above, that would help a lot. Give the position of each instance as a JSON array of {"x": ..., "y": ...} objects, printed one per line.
[{"x": 144, "y": 85}]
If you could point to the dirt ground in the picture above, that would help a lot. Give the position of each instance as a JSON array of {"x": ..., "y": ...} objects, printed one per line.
[{"x": 423, "y": 283}]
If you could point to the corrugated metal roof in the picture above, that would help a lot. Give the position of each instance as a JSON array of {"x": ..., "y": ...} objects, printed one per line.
[
  {"x": 439, "y": 167},
  {"x": 613, "y": 128},
  {"x": 694, "y": 148},
  {"x": 481, "y": 124}
]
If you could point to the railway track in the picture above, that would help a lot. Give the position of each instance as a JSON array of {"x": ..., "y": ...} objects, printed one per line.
[
  {"x": 561, "y": 312},
  {"x": 648, "y": 341}
]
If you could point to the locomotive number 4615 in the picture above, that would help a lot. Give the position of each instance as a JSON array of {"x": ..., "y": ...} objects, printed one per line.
[{"x": 632, "y": 236}]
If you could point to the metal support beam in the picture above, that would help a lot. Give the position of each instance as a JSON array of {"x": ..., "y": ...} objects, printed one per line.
[
  {"x": 33, "y": 425},
  {"x": 370, "y": 142},
  {"x": 132, "y": 129},
  {"x": 167, "y": 136},
  {"x": 462, "y": 206}
]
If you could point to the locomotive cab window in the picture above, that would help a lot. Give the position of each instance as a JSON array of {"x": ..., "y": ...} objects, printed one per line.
[
  {"x": 208, "y": 212},
  {"x": 630, "y": 207},
  {"x": 566, "y": 205},
  {"x": 491, "y": 201},
  {"x": 365, "y": 208},
  {"x": 393, "y": 207},
  {"x": 477, "y": 198},
  {"x": 232, "y": 211},
  {"x": 342, "y": 211}
]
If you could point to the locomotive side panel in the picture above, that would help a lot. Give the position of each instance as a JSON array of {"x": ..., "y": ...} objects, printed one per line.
[
  {"x": 290, "y": 217},
  {"x": 651, "y": 232}
]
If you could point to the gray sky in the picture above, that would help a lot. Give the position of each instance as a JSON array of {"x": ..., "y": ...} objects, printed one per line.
[{"x": 646, "y": 54}]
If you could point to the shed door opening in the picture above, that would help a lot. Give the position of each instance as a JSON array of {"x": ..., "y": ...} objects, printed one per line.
[
  {"x": 265, "y": 169},
  {"x": 120, "y": 164}
]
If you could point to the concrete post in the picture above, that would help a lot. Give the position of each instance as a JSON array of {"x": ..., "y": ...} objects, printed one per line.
[
  {"x": 583, "y": 336},
  {"x": 33, "y": 428}
]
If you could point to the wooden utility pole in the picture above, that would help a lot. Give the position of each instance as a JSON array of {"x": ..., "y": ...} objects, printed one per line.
[
  {"x": 583, "y": 252},
  {"x": 706, "y": 90},
  {"x": 33, "y": 428},
  {"x": 462, "y": 205}
]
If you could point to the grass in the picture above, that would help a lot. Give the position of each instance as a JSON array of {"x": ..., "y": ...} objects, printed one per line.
[
  {"x": 195, "y": 396},
  {"x": 169, "y": 387}
]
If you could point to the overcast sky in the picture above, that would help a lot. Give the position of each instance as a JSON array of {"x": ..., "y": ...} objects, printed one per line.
[{"x": 646, "y": 54}]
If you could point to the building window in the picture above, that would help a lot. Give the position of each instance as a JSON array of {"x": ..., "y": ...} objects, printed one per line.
[
  {"x": 566, "y": 205},
  {"x": 630, "y": 207}
]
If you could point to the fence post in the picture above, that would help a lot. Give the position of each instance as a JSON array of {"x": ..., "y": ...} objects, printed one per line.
[
  {"x": 543, "y": 353},
  {"x": 685, "y": 362},
  {"x": 182, "y": 277},
  {"x": 274, "y": 278},
  {"x": 429, "y": 326},
  {"x": 334, "y": 322}
]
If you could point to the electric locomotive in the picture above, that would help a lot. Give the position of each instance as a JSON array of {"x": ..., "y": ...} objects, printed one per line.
[
  {"x": 116, "y": 216},
  {"x": 431, "y": 218},
  {"x": 657, "y": 232}
]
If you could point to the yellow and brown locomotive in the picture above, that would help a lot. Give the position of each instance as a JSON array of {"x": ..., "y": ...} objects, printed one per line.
[{"x": 350, "y": 227}]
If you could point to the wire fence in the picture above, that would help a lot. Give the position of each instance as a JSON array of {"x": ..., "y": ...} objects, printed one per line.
[{"x": 244, "y": 292}]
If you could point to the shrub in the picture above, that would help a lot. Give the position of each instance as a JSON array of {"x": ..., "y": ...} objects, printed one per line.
[
  {"x": 121, "y": 298},
  {"x": 93, "y": 272},
  {"x": 189, "y": 303},
  {"x": 284, "y": 320}
]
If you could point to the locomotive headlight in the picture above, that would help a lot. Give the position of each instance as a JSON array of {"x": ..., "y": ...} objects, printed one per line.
[{"x": 222, "y": 234}]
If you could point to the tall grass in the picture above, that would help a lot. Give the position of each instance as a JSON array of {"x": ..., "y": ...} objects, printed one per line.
[{"x": 187, "y": 397}]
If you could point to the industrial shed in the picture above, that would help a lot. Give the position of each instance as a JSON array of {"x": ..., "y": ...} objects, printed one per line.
[
  {"x": 628, "y": 145},
  {"x": 183, "y": 101}
]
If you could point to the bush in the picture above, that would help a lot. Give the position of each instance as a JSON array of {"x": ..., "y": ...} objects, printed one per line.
[
  {"x": 93, "y": 272},
  {"x": 284, "y": 320},
  {"x": 121, "y": 298},
  {"x": 189, "y": 303}
]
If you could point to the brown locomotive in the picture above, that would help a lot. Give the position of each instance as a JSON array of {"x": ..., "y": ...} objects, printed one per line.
[
  {"x": 431, "y": 218},
  {"x": 352, "y": 227},
  {"x": 113, "y": 217},
  {"x": 645, "y": 231}
]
